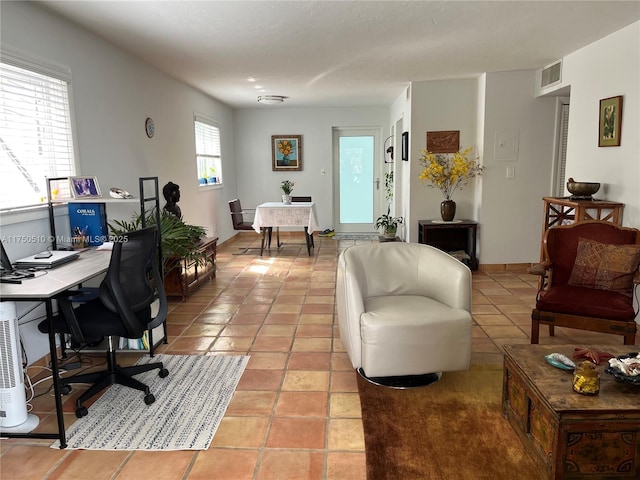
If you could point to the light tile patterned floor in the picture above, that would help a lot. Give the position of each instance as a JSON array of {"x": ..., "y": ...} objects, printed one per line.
[{"x": 296, "y": 412}]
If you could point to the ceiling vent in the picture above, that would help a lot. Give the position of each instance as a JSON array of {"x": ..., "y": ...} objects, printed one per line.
[{"x": 551, "y": 74}]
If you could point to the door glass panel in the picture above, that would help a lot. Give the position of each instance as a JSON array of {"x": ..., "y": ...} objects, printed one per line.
[{"x": 356, "y": 179}]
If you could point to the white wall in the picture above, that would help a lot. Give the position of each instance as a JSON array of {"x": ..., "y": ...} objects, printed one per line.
[
  {"x": 257, "y": 182},
  {"x": 436, "y": 106},
  {"x": 606, "y": 68},
  {"x": 113, "y": 93},
  {"x": 511, "y": 209}
]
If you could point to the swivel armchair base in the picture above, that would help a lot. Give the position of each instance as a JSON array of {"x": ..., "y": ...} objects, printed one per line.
[{"x": 402, "y": 382}]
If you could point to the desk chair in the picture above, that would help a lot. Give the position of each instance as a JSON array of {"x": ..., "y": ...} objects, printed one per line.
[
  {"x": 239, "y": 223},
  {"x": 309, "y": 237},
  {"x": 123, "y": 309}
]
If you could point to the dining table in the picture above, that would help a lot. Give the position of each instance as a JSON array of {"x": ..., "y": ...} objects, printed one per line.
[{"x": 270, "y": 215}]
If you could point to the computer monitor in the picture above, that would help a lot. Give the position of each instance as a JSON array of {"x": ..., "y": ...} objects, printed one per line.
[{"x": 5, "y": 263}]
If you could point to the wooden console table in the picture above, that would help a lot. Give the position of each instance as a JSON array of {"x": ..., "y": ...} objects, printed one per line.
[
  {"x": 564, "y": 430},
  {"x": 188, "y": 276},
  {"x": 451, "y": 236}
]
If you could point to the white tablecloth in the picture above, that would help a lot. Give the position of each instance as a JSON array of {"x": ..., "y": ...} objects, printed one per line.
[{"x": 277, "y": 214}]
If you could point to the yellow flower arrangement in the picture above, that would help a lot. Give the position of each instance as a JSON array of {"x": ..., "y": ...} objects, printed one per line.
[{"x": 448, "y": 172}]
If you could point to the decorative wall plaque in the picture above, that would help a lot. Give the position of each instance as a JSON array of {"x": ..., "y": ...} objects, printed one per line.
[{"x": 443, "y": 142}]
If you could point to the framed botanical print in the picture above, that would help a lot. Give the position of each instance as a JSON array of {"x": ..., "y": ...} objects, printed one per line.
[
  {"x": 610, "y": 124},
  {"x": 286, "y": 153}
]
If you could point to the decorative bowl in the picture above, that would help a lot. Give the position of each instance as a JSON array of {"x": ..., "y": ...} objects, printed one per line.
[
  {"x": 582, "y": 189},
  {"x": 619, "y": 375}
]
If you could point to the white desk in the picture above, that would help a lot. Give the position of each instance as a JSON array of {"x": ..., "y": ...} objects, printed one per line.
[
  {"x": 277, "y": 214},
  {"x": 91, "y": 263}
]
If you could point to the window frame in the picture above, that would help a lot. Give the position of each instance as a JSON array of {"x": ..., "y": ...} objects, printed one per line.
[
  {"x": 215, "y": 159},
  {"x": 19, "y": 59}
]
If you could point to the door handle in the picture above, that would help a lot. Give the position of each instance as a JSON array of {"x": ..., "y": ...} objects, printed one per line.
[{"x": 377, "y": 183}]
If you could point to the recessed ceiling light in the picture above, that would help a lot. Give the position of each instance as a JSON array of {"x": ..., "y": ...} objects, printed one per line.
[{"x": 271, "y": 99}]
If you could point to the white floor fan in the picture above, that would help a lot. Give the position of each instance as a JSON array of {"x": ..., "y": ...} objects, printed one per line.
[{"x": 14, "y": 417}]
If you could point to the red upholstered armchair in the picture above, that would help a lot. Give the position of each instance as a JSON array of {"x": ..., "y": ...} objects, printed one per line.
[{"x": 588, "y": 275}]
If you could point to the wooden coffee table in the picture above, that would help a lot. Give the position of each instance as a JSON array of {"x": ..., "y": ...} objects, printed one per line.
[{"x": 572, "y": 436}]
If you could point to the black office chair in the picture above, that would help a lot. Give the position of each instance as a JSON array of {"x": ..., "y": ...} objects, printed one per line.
[
  {"x": 239, "y": 223},
  {"x": 123, "y": 309},
  {"x": 308, "y": 236}
]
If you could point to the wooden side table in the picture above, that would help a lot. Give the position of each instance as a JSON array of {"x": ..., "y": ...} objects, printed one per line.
[
  {"x": 571, "y": 436},
  {"x": 563, "y": 210},
  {"x": 187, "y": 277},
  {"x": 450, "y": 237}
]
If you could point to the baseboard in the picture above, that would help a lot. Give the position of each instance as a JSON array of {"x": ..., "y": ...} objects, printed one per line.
[{"x": 504, "y": 267}]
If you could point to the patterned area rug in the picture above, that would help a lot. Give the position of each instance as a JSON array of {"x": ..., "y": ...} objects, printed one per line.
[{"x": 189, "y": 406}]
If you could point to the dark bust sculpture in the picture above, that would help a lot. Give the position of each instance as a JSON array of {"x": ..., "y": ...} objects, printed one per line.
[{"x": 171, "y": 192}]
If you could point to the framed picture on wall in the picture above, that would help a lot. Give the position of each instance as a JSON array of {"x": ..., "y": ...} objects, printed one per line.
[
  {"x": 405, "y": 146},
  {"x": 84, "y": 187},
  {"x": 447, "y": 141},
  {"x": 610, "y": 125},
  {"x": 286, "y": 153}
]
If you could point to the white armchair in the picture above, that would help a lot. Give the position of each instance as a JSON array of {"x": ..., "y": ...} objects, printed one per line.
[{"x": 404, "y": 309}]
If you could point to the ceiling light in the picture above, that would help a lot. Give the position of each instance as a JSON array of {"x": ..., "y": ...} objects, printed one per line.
[{"x": 271, "y": 99}]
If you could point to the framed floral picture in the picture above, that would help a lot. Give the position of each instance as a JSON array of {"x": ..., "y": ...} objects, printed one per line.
[
  {"x": 610, "y": 125},
  {"x": 286, "y": 153}
]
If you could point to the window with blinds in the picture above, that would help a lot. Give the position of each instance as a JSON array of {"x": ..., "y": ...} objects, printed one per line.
[
  {"x": 208, "y": 156},
  {"x": 35, "y": 134}
]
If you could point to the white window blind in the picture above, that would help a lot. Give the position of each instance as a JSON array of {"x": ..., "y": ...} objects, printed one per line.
[
  {"x": 562, "y": 151},
  {"x": 35, "y": 135},
  {"x": 208, "y": 152}
]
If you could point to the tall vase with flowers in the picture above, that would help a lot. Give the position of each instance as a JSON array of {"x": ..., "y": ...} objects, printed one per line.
[
  {"x": 287, "y": 187},
  {"x": 448, "y": 172}
]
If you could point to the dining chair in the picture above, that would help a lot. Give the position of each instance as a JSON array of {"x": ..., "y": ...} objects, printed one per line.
[{"x": 239, "y": 223}]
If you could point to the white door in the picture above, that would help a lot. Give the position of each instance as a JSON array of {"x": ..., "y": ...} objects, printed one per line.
[{"x": 357, "y": 182}]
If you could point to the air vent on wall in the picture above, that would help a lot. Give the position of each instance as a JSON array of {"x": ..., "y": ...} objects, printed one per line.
[{"x": 551, "y": 74}]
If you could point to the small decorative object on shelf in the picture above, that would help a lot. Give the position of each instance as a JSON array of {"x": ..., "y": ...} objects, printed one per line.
[
  {"x": 287, "y": 187},
  {"x": 582, "y": 190},
  {"x": 448, "y": 172},
  {"x": 586, "y": 380}
]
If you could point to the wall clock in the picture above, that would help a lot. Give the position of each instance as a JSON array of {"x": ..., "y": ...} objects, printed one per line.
[{"x": 149, "y": 127}]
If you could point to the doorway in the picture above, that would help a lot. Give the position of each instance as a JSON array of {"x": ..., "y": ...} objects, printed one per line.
[{"x": 357, "y": 182}]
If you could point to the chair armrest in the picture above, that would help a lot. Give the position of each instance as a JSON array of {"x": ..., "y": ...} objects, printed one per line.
[
  {"x": 65, "y": 306},
  {"x": 539, "y": 268}
]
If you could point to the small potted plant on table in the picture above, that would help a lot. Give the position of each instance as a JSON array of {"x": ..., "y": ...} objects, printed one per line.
[{"x": 389, "y": 223}]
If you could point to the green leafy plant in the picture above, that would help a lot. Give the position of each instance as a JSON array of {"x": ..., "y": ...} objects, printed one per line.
[
  {"x": 177, "y": 238},
  {"x": 287, "y": 186},
  {"x": 389, "y": 223}
]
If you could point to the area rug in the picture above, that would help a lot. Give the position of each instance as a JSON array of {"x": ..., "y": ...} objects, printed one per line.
[
  {"x": 452, "y": 429},
  {"x": 189, "y": 406}
]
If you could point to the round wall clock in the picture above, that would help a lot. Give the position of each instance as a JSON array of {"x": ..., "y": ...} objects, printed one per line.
[{"x": 149, "y": 127}]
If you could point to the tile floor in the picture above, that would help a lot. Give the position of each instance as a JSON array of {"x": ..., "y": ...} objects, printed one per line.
[{"x": 296, "y": 412}]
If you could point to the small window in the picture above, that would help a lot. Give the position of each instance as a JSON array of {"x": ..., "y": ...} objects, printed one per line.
[
  {"x": 35, "y": 133},
  {"x": 208, "y": 156}
]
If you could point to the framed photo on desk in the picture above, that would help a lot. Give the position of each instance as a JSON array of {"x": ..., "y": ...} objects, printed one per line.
[{"x": 84, "y": 187}]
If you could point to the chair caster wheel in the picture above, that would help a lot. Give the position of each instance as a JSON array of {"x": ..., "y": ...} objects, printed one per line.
[
  {"x": 163, "y": 373},
  {"x": 149, "y": 398},
  {"x": 65, "y": 389},
  {"x": 81, "y": 412}
]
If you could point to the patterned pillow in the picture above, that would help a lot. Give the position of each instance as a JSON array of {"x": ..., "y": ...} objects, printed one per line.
[{"x": 605, "y": 266}]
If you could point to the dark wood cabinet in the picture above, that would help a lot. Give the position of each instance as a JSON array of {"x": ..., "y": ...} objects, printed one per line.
[
  {"x": 187, "y": 276},
  {"x": 451, "y": 237}
]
